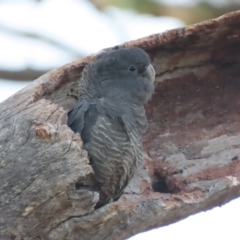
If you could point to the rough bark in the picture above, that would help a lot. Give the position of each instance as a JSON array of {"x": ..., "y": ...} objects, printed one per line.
[{"x": 192, "y": 147}]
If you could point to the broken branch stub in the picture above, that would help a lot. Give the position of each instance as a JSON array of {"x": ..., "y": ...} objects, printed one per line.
[{"x": 192, "y": 154}]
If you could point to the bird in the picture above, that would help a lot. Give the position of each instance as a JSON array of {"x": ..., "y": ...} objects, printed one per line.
[{"x": 110, "y": 116}]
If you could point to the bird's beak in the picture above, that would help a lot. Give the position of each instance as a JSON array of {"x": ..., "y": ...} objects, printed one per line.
[{"x": 149, "y": 73}]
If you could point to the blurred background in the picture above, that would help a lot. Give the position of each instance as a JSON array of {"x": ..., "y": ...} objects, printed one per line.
[{"x": 39, "y": 35}]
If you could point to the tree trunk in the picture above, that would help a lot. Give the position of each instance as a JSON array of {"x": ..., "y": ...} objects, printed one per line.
[{"x": 192, "y": 147}]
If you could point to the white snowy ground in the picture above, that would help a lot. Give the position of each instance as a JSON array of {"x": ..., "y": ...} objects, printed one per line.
[{"x": 78, "y": 24}]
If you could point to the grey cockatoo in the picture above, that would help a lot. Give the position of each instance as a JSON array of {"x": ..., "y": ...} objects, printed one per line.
[{"x": 110, "y": 116}]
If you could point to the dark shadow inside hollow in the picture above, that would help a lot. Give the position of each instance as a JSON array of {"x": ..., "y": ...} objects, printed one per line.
[{"x": 159, "y": 183}]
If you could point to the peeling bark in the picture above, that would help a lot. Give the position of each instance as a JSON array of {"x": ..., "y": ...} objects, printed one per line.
[{"x": 192, "y": 147}]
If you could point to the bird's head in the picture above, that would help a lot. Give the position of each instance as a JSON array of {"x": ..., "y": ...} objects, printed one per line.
[
  {"x": 122, "y": 74},
  {"x": 130, "y": 62}
]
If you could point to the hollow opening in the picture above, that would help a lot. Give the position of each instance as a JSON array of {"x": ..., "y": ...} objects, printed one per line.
[
  {"x": 79, "y": 185},
  {"x": 159, "y": 183}
]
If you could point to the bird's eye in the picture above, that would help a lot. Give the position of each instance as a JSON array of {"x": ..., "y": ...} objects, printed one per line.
[{"x": 132, "y": 68}]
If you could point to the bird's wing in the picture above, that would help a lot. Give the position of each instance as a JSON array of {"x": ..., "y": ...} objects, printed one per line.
[
  {"x": 76, "y": 116},
  {"x": 112, "y": 156},
  {"x": 113, "y": 143},
  {"x": 117, "y": 146},
  {"x": 131, "y": 126}
]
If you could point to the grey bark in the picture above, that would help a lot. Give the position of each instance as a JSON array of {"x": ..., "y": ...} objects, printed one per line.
[{"x": 192, "y": 147}]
